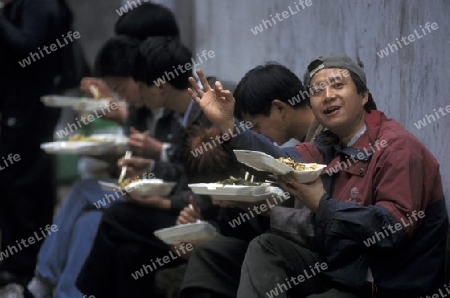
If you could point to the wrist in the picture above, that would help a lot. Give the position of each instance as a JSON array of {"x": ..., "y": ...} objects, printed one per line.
[{"x": 227, "y": 127}]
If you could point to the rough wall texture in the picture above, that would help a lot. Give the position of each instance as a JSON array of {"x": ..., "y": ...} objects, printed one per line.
[
  {"x": 407, "y": 84},
  {"x": 95, "y": 22}
]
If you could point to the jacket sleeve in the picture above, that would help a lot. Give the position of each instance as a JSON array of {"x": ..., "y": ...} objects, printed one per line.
[
  {"x": 295, "y": 224},
  {"x": 168, "y": 171},
  {"x": 398, "y": 190},
  {"x": 250, "y": 140},
  {"x": 36, "y": 20}
]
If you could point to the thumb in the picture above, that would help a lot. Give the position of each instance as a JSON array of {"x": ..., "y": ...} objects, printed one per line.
[
  {"x": 134, "y": 130},
  {"x": 194, "y": 205}
]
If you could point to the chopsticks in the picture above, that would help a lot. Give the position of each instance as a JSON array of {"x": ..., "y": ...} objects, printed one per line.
[
  {"x": 95, "y": 92},
  {"x": 128, "y": 154}
]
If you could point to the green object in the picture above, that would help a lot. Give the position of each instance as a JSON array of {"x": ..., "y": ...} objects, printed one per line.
[{"x": 66, "y": 168}]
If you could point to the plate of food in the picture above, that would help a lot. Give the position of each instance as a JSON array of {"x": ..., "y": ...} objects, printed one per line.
[
  {"x": 79, "y": 144},
  {"x": 192, "y": 232},
  {"x": 303, "y": 172},
  {"x": 230, "y": 187},
  {"x": 271, "y": 191},
  {"x": 84, "y": 104},
  {"x": 141, "y": 187},
  {"x": 120, "y": 141}
]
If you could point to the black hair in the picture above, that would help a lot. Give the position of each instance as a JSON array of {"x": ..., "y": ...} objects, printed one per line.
[
  {"x": 211, "y": 165},
  {"x": 264, "y": 83},
  {"x": 362, "y": 88},
  {"x": 146, "y": 20},
  {"x": 114, "y": 58},
  {"x": 158, "y": 61}
]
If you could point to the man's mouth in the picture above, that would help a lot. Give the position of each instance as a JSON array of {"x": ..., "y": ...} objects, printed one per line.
[{"x": 330, "y": 110}]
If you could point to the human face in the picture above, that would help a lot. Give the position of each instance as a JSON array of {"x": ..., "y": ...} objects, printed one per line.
[
  {"x": 151, "y": 96},
  {"x": 273, "y": 126},
  {"x": 336, "y": 103},
  {"x": 126, "y": 88}
]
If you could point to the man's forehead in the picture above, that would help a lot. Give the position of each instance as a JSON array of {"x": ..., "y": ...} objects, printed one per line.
[{"x": 330, "y": 75}]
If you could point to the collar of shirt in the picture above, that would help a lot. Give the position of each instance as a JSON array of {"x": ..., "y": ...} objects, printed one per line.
[{"x": 357, "y": 135}]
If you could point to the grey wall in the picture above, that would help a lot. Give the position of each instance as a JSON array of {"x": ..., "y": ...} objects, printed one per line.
[
  {"x": 95, "y": 22},
  {"x": 406, "y": 84}
]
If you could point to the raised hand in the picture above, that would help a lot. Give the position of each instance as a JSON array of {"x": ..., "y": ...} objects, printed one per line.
[{"x": 216, "y": 103}]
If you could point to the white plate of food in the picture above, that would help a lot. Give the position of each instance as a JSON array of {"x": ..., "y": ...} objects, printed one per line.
[
  {"x": 81, "y": 147},
  {"x": 141, "y": 187},
  {"x": 77, "y": 103},
  {"x": 230, "y": 187},
  {"x": 303, "y": 172},
  {"x": 193, "y": 232},
  {"x": 120, "y": 141},
  {"x": 271, "y": 191}
]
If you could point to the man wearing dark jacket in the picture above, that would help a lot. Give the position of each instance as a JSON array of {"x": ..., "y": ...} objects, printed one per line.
[
  {"x": 26, "y": 27},
  {"x": 379, "y": 212}
]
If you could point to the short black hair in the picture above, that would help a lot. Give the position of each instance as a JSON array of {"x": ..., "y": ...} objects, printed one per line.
[
  {"x": 158, "y": 59},
  {"x": 211, "y": 165},
  {"x": 115, "y": 57},
  {"x": 362, "y": 88},
  {"x": 148, "y": 19},
  {"x": 264, "y": 83}
]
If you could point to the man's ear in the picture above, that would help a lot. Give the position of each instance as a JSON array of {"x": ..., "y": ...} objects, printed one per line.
[
  {"x": 279, "y": 106},
  {"x": 365, "y": 97}
]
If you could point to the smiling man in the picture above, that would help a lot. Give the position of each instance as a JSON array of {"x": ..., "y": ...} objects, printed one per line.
[{"x": 385, "y": 188}]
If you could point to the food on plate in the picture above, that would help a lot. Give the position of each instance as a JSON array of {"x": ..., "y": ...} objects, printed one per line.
[
  {"x": 238, "y": 181},
  {"x": 298, "y": 166},
  {"x": 128, "y": 181},
  {"x": 80, "y": 138}
]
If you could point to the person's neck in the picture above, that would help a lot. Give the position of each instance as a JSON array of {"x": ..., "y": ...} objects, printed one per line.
[
  {"x": 301, "y": 122},
  {"x": 345, "y": 138},
  {"x": 179, "y": 101}
]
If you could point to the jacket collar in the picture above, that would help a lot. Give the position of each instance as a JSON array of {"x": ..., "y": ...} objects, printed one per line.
[{"x": 328, "y": 139}]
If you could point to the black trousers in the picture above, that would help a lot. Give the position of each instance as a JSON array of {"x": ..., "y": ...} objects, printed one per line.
[
  {"x": 27, "y": 186},
  {"x": 123, "y": 245},
  {"x": 214, "y": 268},
  {"x": 229, "y": 267},
  {"x": 277, "y": 267}
]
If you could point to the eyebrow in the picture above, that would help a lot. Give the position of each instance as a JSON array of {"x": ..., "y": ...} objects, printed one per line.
[{"x": 329, "y": 80}]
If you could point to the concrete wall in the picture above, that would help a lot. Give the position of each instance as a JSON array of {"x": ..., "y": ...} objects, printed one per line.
[
  {"x": 407, "y": 84},
  {"x": 95, "y": 22}
]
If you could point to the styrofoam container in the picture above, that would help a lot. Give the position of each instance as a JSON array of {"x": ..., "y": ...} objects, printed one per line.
[
  {"x": 143, "y": 187},
  {"x": 150, "y": 187},
  {"x": 271, "y": 191},
  {"x": 120, "y": 141},
  {"x": 68, "y": 147},
  {"x": 230, "y": 190},
  {"x": 264, "y": 162},
  {"x": 192, "y": 232},
  {"x": 77, "y": 103}
]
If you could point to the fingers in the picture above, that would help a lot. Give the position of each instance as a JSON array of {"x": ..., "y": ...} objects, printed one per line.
[
  {"x": 227, "y": 95},
  {"x": 134, "y": 131},
  {"x": 194, "y": 96},
  {"x": 203, "y": 80},
  {"x": 186, "y": 216},
  {"x": 194, "y": 205},
  {"x": 196, "y": 87}
]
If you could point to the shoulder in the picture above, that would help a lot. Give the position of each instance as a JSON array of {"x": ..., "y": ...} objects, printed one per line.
[
  {"x": 309, "y": 152},
  {"x": 403, "y": 149}
]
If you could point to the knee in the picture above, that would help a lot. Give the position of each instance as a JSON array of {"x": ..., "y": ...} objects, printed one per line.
[{"x": 263, "y": 243}]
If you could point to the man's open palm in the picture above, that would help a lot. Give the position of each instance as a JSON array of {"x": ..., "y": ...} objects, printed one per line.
[{"x": 217, "y": 104}]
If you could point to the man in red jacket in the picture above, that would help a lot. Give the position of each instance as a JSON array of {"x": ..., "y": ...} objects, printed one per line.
[{"x": 380, "y": 219}]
